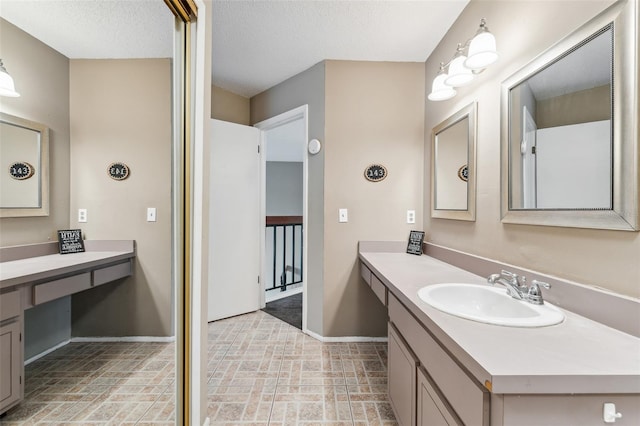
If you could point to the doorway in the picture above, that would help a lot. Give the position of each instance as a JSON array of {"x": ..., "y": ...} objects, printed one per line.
[{"x": 284, "y": 209}]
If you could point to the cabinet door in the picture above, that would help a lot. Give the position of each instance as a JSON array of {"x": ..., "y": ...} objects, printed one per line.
[
  {"x": 10, "y": 365},
  {"x": 402, "y": 379},
  {"x": 432, "y": 409}
]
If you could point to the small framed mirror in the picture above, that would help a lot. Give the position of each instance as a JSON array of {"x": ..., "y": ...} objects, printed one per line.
[
  {"x": 453, "y": 154},
  {"x": 569, "y": 129},
  {"x": 24, "y": 168}
]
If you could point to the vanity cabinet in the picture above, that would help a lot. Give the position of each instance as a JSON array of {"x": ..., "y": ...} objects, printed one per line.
[
  {"x": 432, "y": 408},
  {"x": 11, "y": 365},
  {"x": 445, "y": 387},
  {"x": 402, "y": 366},
  {"x": 35, "y": 274}
]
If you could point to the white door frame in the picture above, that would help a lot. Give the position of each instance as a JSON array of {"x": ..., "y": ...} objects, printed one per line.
[{"x": 301, "y": 112}]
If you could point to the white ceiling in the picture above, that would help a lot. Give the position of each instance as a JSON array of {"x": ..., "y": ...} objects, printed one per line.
[{"x": 256, "y": 44}]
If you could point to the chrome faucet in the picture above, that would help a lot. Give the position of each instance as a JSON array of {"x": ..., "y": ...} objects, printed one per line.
[{"x": 517, "y": 286}]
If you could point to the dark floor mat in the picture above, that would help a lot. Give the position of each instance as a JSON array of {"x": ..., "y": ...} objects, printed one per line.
[{"x": 288, "y": 309}]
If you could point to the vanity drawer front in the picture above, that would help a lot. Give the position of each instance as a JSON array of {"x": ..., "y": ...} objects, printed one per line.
[
  {"x": 10, "y": 305},
  {"x": 379, "y": 289},
  {"x": 365, "y": 273},
  {"x": 468, "y": 399},
  {"x": 111, "y": 273},
  {"x": 59, "y": 288}
]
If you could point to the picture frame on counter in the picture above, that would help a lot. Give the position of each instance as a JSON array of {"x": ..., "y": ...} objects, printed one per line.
[{"x": 416, "y": 238}]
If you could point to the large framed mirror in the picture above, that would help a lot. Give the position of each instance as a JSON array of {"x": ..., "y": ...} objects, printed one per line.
[
  {"x": 569, "y": 129},
  {"x": 24, "y": 168},
  {"x": 453, "y": 176}
]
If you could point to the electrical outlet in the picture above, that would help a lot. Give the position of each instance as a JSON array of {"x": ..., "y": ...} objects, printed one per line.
[
  {"x": 411, "y": 216},
  {"x": 343, "y": 215},
  {"x": 151, "y": 214},
  {"x": 82, "y": 215}
]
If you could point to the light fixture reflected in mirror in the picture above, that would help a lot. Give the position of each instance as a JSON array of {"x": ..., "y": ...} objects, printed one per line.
[
  {"x": 7, "y": 87},
  {"x": 462, "y": 68}
]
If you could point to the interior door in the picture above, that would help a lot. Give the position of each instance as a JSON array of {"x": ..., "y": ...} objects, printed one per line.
[{"x": 234, "y": 220}]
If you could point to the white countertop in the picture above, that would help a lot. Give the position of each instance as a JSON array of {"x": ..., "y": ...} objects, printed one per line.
[
  {"x": 32, "y": 269},
  {"x": 577, "y": 356}
]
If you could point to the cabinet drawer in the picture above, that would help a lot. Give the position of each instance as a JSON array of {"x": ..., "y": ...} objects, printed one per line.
[
  {"x": 379, "y": 289},
  {"x": 111, "y": 273},
  {"x": 365, "y": 273},
  {"x": 468, "y": 399},
  {"x": 59, "y": 288},
  {"x": 10, "y": 305}
]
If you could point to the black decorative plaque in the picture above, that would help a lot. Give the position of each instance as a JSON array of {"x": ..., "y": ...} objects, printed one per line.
[
  {"x": 70, "y": 241},
  {"x": 21, "y": 170},
  {"x": 375, "y": 173},
  {"x": 463, "y": 173},
  {"x": 118, "y": 171},
  {"x": 415, "y": 242}
]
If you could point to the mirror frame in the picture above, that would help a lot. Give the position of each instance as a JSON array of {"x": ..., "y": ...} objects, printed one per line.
[
  {"x": 43, "y": 210},
  {"x": 470, "y": 112},
  {"x": 626, "y": 204}
]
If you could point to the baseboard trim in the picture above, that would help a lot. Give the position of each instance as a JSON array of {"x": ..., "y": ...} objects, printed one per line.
[
  {"x": 46, "y": 352},
  {"x": 135, "y": 339},
  {"x": 345, "y": 339},
  {"x": 140, "y": 339}
]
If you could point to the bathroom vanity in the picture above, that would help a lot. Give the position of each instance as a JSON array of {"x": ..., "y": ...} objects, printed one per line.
[
  {"x": 34, "y": 274},
  {"x": 447, "y": 370}
]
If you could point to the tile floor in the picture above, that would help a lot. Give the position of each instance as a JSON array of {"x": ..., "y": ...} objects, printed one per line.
[{"x": 261, "y": 371}]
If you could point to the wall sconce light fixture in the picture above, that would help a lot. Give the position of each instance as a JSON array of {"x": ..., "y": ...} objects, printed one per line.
[
  {"x": 462, "y": 68},
  {"x": 7, "y": 88}
]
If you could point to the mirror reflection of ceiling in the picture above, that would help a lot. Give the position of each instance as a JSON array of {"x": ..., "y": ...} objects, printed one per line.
[
  {"x": 594, "y": 60},
  {"x": 257, "y": 44}
]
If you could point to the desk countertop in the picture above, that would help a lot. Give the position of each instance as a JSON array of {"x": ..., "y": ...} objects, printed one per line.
[{"x": 32, "y": 269}]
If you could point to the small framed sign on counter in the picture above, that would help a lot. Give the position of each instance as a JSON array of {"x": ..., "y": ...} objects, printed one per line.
[
  {"x": 70, "y": 241},
  {"x": 415, "y": 242}
]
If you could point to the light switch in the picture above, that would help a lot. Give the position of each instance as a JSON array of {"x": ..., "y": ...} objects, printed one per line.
[
  {"x": 151, "y": 214},
  {"x": 411, "y": 216},
  {"x": 82, "y": 215},
  {"x": 343, "y": 216}
]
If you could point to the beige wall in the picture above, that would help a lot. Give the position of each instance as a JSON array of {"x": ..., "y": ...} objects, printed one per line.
[
  {"x": 583, "y": 106},
  {"x": 121, "y": 111},
  {"x": 374, "y": 114},
  {"x": 306, "y": 88},
  {"x": 41, "y": 76},
  {"x": 608, "y": 259},
  {"x": 228, "y": 106},
  {"x": 363, "y": 113}
]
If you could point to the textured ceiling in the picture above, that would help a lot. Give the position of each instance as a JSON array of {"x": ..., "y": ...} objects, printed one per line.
[{"x": 256, "y": 44}]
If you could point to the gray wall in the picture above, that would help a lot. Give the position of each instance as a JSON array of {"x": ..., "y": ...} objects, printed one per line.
[
  {"x": 305, "y": 88},
  {"x": 284, "y": 188},
  {"x": 41, "y": 76}
]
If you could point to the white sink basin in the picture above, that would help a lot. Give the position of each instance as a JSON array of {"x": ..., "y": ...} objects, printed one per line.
[{"x": 491, "y": 305}]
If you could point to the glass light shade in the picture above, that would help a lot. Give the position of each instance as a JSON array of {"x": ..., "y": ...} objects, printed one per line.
[
  {"x": 482, "y": 51},
  {"x": 7, "y": 88},
  {"x": 439, "y": 90},
  {"x": 459, "y": 75}
]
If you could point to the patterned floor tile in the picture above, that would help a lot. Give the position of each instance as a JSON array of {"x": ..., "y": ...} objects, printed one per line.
[{"x": 260, "y": 371}]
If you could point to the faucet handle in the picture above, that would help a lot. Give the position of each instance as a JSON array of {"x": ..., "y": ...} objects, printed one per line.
[{"x": 534, "y": 295}]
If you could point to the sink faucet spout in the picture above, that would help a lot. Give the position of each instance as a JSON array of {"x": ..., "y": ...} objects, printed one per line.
[{"x": 512, "y": 283}]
